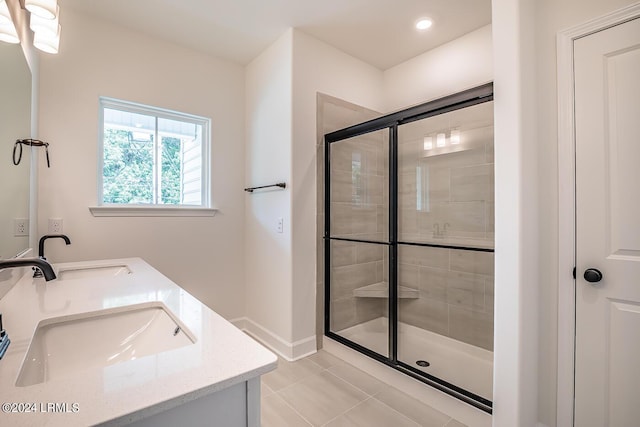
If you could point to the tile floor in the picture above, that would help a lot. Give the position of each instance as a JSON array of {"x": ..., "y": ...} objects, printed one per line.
[{"x": 322, "y": 390}]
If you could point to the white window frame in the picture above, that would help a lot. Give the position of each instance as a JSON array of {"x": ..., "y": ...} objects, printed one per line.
[{"x": 204, "y": 209}]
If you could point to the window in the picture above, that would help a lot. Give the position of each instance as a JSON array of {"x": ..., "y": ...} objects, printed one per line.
[{"x": 152, "y": 157}]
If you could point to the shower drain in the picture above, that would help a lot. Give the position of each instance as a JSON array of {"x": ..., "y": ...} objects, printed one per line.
[{"x": 422, "y": 363}]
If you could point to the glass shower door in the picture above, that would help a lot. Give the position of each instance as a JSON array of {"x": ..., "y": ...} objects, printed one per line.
[
  {"x": 445, "y": 248},
  {"x": 358, "y": 239},
  {"x": 408, "y": 242}
]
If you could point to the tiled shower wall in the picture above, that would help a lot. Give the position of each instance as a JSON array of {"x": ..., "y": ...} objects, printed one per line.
[
  {"x": 456, "y": 188},
  {"x": 359, "y": 210},
  {"x": 446, "y": 197},
  {"x": 456, "y": 292},
  {"x": 355, "y": 264}
]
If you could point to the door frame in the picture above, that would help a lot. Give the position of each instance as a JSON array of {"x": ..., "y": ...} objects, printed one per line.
[{"x": 566, "y": 203}]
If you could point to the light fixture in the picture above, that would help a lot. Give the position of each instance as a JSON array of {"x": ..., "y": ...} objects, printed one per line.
[
  {"x": 5, "y": 16},
  {"x": 47, "y": 42},
  {"x": 455, "y": 137},
  {"x": 428, "y": 143},
  {"x": 442, "y": 139},
  {"x": 47, "y": 9},
  {"x": 43, "y": 21},
  {"x": 8, "y": 31},
  {"x": 423, "y": 24},
  {"x": 39, "y": 24},
  {"x": 46, "y": 33}
]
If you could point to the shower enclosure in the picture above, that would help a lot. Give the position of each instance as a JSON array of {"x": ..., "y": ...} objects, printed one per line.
[{"x": 408, "y": 241}]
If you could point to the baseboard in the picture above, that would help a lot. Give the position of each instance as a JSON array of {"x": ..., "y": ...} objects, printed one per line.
[{"x": 290, "y": 351}]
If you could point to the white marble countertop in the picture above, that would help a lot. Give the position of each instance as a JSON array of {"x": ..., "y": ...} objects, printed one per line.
[{"x": 222, "y": 355}]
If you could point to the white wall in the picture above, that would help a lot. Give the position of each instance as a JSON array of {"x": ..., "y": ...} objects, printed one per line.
[
  {"x": 268, "y": 256},
  {"x": 282, "y": 84},
  {"x": 453, "y": 67},
  {"x": 204, "y": 255},
  {"x": 317, "y": 67},
  {"x": 517, "y": 229}
]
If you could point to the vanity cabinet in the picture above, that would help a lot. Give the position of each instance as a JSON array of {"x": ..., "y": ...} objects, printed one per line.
[{"x": 236, "y": 406}]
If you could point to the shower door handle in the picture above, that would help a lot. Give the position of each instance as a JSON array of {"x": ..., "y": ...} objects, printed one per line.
[{"x": 592, "y": 275}]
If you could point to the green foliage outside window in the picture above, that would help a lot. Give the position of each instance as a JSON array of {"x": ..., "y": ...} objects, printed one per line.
[
  {"x": 170, "y": 176},
  {"x": 128, "y": 174}
]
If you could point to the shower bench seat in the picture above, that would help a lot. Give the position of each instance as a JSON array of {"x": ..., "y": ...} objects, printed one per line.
[{"x": 381, "y": 290}]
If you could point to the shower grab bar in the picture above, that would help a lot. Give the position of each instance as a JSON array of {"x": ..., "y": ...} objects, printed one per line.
[{"x": 279, "y": 184}]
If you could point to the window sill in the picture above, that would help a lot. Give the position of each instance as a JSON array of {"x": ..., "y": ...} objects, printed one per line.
[{"x": 148, "y": 211}]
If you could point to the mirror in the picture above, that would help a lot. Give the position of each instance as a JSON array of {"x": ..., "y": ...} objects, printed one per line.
[{"x": 15, "y": 123}]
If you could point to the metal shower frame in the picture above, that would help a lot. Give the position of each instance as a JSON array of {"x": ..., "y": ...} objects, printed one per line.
[{"x": 467, "y": 98}]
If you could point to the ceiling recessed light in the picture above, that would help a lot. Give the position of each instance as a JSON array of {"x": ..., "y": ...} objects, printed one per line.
[{"x": 423, "y": 24}]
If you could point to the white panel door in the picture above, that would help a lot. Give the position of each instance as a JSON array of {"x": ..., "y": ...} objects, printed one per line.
[{"x": 607, "y": 108}]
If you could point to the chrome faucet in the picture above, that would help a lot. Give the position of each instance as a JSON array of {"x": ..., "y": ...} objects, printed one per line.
[
  {"x": 42, "y": 264},
  {"x": 36, "y": 270}
]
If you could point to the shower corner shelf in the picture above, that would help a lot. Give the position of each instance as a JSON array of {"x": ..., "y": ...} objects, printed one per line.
[{"x": 381, "y": 290}]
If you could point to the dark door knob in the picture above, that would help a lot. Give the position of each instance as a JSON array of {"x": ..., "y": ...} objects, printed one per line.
[{"x": 592, "y": 275}]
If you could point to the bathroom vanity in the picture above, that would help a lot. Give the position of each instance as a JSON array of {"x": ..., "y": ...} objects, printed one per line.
[{"x": 115, "y": 342}]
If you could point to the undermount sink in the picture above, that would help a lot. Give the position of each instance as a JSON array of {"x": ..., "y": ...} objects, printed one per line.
[
  {"x": 64, "y": 345},
  {"x": 93, "y": 271}
]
